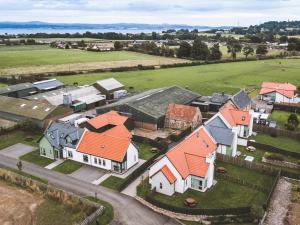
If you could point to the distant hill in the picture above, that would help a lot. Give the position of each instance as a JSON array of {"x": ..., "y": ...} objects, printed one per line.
[{"x": 112, "y": 26}]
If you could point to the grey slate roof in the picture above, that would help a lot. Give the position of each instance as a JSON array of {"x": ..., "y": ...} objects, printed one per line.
[
  {"x": 16, "y": 87},
  {"x": 223, "y": 136},
  {"x": 217, "y": 122},
  {"x": 48, "y": 84},
  {"x": 152, "y": 103},
  {"x": 241, "y": 99},
  {"x": 220, "y": 98},
  {"x": 57, "y": 134}
]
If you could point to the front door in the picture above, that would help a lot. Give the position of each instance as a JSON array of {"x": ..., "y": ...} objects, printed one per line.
[{"x": 56, "y": 154}]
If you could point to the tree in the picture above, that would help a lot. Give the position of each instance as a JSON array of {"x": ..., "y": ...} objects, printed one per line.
[
  {"x": 118, "y": 45},
  {"x": 292, "y": 122},
  {"x": 283, "y": 39},
  {"x": 293, "y": 44},
  {"x": 215, "y": 53},
  {"x": 248, "y": 50},
  {"x": 233, "y": 47},
  {"x": 184, "y": 50},
  {"x": 200, "y": 50},
  {"x": 261, "y": 50}
]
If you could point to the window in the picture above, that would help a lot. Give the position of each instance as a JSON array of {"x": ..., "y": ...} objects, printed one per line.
[
  {"x": 104, "y": 162},
  {"x": 134, "y": 157},
  {"x": 99, "y": 160},
  {"x": 95, "y": 160},
  {"x": 43, "y": 152},
  {"x": 70, "y": 154},
  {"x": 160, "y": 185},
  {"x": 196, "y": 184},
  {"x": 85, "y": 158}
]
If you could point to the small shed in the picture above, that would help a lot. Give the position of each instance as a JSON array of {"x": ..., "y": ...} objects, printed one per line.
[
  {"x": 47, "y": 85},
  {"x": 109, "y": 86}
]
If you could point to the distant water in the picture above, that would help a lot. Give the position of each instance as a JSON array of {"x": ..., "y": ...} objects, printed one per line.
[{"x": 72, "y": 31}]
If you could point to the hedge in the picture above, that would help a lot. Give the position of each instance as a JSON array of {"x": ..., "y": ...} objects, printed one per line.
[{"x": 196, "y": 211}]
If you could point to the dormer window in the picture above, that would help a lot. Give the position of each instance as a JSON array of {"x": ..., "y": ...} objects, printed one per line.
[{"x": 243, "y": 118}]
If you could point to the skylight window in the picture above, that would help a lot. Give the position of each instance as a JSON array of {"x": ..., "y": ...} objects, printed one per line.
[
  {"x": 46, "y": 110},
  {"x": 23, "y": 105},
  {"x": 34, "y": 107}
]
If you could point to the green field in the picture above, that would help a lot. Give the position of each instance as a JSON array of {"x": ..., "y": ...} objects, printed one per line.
[
  {"x": 36, "y": 55},
  {"x": 206, "y": 79}
]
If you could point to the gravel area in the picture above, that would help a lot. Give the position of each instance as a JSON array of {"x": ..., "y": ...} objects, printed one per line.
[{"x": 279, "y": 203}]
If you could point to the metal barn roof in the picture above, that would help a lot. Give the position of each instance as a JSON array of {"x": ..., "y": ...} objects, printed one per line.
[
  {"x": 16, "y": 87},
  {"x": 48, "y": 84},
  {"x": 110, "y": 84}
]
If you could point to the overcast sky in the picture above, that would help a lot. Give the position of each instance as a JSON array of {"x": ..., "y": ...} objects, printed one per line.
[{"x": 193, "y": 12}]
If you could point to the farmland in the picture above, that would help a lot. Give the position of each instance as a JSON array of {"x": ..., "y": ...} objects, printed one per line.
[
  {"x": 205, "y": 79},
  {"x": 40, "y": 58}
]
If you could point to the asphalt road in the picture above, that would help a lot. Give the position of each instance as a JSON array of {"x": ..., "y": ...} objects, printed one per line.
[{"x": 128, "y": 211}]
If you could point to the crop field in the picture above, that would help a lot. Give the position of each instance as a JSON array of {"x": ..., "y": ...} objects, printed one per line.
[
  {"x": 41, "y": 58},
  {"x": 205, "y": 79}
]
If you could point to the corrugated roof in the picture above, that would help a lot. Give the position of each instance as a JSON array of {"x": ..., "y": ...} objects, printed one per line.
[
  {"x": 110, "y": 84},
  {"x": 25, "y": 108},
  {"x": 48, "y": 84},
  {"x": 16, "y": 87}
]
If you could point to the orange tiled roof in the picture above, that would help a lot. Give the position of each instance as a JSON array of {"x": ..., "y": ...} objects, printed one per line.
[
  {"x": 109, "y": 145},
  {"x": 235, "y": 117},
  {"x": 189, "y": 156},
  {"x": 168, "y": 174},
  {"x": 181, "y": 112},
  {"x": 119, "y": 131},
  {"x": 109, "y": 118},
  {"x": 285, "y": 89}
]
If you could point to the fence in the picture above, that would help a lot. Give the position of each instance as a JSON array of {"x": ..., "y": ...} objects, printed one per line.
[
  {"x": 266, "y": 205},
  {"x": 73, "y": 201},
  {"x": 242, "y": 182},
  {"x": 290, "y": 107},
  {"x": 270, "y": 148},
  {"x": 276, "y": 131}
]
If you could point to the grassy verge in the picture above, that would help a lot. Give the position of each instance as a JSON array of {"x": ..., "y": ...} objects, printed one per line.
[
  {"x": 35, "y": 158},
  {"x": 51, "y": 212},
  {"x": 280, "y": 142},
  {"x": 281, "y": 118},
  {"x": 108, "y": 214},
  {"x": 112, "y": 182},
  {"x": 67, "y": 167},
  {"x": 18, "y": 136},
  {"x": 145, "y": 151},
  {"x": 22, "y": 173}
]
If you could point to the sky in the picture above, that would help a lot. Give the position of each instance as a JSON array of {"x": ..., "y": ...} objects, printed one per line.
[{"x": 192, "y": 12}]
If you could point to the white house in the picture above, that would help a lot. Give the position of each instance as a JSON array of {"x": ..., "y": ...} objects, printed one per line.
[
  {"x": 190, "y": 164},
  {"x": 110, "y": 150},
  {"x": 279, "y": 92}
]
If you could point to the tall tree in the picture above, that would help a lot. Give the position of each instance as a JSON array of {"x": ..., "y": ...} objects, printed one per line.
[
  {"x": 200, "y": 50},
  {"x": 233, "y": 47},
  {"x": 184, "y": 50},
  {"x": 215, "y": 53},
  {"x": 261, "y": 50},
  {"x": 248, "y": 50},
  {"x": 118, "y": 45}
]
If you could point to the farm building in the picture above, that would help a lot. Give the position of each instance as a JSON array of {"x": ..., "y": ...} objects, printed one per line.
[
  {"x": 18, "y": 90},
  {"x": 240, "y": 101},
  {"x": 47, "y": 85},
  {"x": 107, "y": 121},
  {"x": 20, "y": 110},
  {"x": 56, "y": 137},
  {"x": 181, "y": 117},
  {"x": 109, "y": 86},
  {"x": 190, "y": 164},
  {"x": 111, "y": 150},
  {"x": 211, "y": 103},
  {"x": 279, "y": 92},
  {"x": 148, "y": 109}
]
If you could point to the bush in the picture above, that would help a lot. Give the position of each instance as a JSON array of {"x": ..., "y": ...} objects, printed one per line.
[{"x": 274, "y": 156}]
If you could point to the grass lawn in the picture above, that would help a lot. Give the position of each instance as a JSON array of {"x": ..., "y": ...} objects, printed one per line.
[
  {"x": 35, "y": 158},
  {"x": 112, "y": 182},
  {"x": 247, "y": 174},
  {"x": 68, "y": 167},
  {"x": 145, "y": 151},
  {"x": 280, "y": 142},
  {"x": 205, "y": 79},
  {"x": 27, "y": 175},
  {"x": 51, "y": 212},
  {"x": 36, "y": 55},
  {"x": 224, "y": 194},
  {"x": 18, "y": 136},
  {"x": 108, "y": 214},
  {"x": 281, "y": 118}
]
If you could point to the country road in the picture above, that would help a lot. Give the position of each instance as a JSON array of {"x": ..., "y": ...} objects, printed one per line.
[{"x": 128, "y": 211}]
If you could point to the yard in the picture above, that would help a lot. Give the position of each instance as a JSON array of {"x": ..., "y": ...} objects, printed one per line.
[
  {"x": 18, "y": 136},
  {"x": 67, "y": 167},
  {"x": 112, "y": 182},
  {"x": 35, "y": 158},
  {"x": 205, "y": 79},
  {"x": 145, "y": 151},
  {"x": 281, "y": 118},
  {"x": 286, "y": 143}
]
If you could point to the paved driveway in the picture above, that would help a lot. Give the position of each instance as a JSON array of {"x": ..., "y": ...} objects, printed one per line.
[
  {"x": 88, "y": 173},
  {"x": 17, "y": 150}
]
